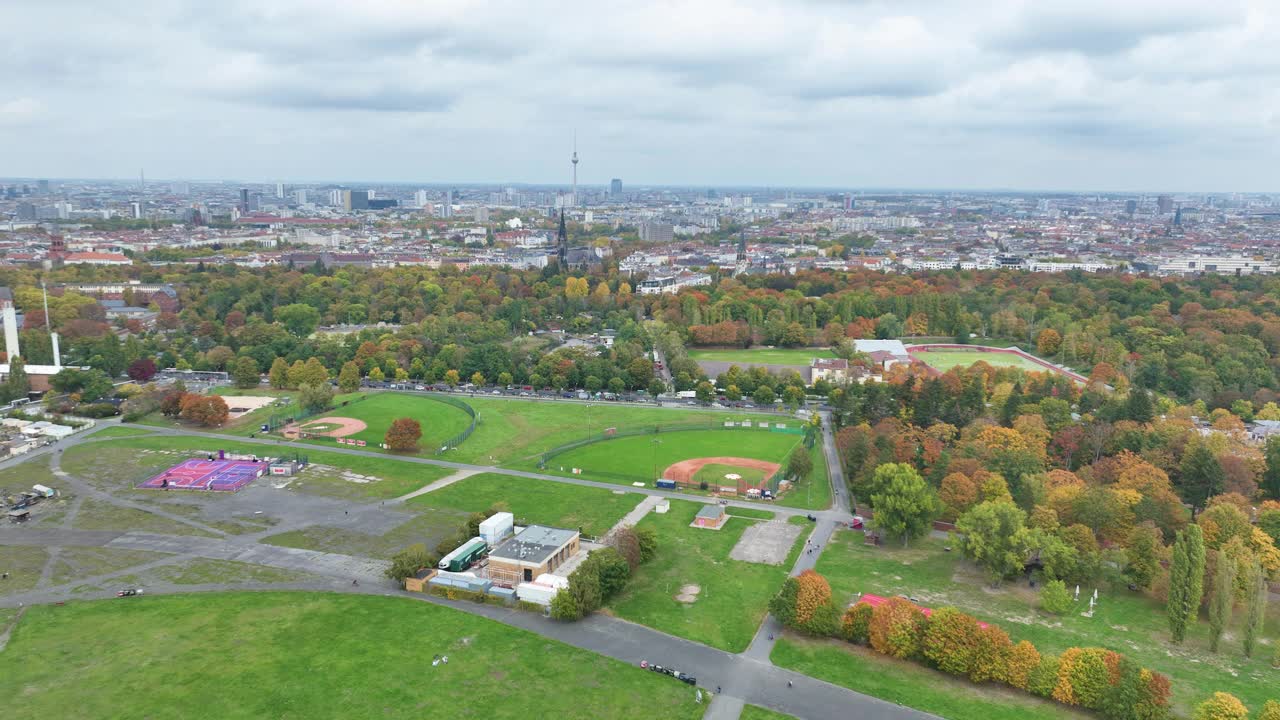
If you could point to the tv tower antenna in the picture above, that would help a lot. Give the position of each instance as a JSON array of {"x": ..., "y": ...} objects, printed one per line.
[{"x": 573, "y": 198}]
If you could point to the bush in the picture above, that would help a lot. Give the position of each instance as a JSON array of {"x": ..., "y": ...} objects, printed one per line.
[
  {"x": 1023, "y": 661},
  {"x": 812, "y": 592},
  {"x": 1044, "y": 678},
  {"x": 1270, "y": 711},
  {"x": 97, "y": 410},
  {"x": 991, "y": 656},
  {"x": 564, "y": 607},
  {"x": 648, "y": 538},
  {"x": 529, "y": 606},
  {"x": 783, "y": 605},
  {"x": 1222, "y": 706},
  {"x": 949, "y": 641},
  {"x": 896, "y": 627},
  {"x": 1083, "y": 676},
  {"x": 856, "y": 623},
  {"x": 409, "y": 561},
  {"x": 1054, "y": 598}
]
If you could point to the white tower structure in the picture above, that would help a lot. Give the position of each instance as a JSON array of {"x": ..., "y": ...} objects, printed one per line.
[
  {"x": 573, "y": 197},
  {"x": 53, "y": 336},
  {"x": 10, "y": 316}
]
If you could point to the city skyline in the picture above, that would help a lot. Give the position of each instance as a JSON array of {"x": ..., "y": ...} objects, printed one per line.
[{"x": 1090, "y": 97}]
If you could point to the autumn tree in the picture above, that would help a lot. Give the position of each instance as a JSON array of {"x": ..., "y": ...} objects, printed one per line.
[
  {"x": 1048, "y": 342},
  {"x": 142, "y": 369},
  {"x": 896, "y": 628},
  {"x": 278, "y": 377},
  {"x": 206, "y": 410},
  {"x": 1186, "y": 581},
  {"x": 907, "y": 505},
  {"x": 403, "y": 435},
  {"x": 1221, "y": 706}
]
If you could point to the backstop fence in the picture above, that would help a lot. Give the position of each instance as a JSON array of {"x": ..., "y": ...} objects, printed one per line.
[{"x": 279, "y": 420}]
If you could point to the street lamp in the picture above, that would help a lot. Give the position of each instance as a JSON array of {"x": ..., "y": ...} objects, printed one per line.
[
  {"x": 655, "y": 442},
  {"x": 588, "y": 421}
]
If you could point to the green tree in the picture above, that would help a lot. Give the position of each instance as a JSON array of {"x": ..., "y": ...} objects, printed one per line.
[
  {"x": 763, "y": 395},
  {"x": 1255, "y": 610},
  {"x": 1186, "y": 581},
  {"x": 17, "y": 385},
  {"x": 1201, "y": 475},
  {"x": 799, "y": 464},
  {"x": 793, "y": 396},
  {"x": 278, "y": 377},
  {"x": 409, "y": 561},
  {"x": 245, "y": 372},
  {"x": 1224, "y": 591},
  {"x": 656, "y": 387},
  {"x": 1271, "y": 476},
  {"x": 349, "y": 377},
  {"x": 783, "y": 605},
  {"x": 1138, "y": 407},
  {"x": 477, "y": 379},
  {"x": 314, "y": 398},
  {"x": 705, "y": 391},
  {"x": 648, "y": 538},
  {"x": 994, "y": 535},
  {"x": 907, "y": 505},
  {"x": 592, "y": 384},
  {"x": 1143, "y": 555},
  {"x": 1054, "y": 598},
  {"x": 617, "y": 385},
  {"x": 504, "y": 378},
  {"x": 377, "y": 375},
  {"x": 564, "y": 606},
  {"x": 299, "y": 319}
]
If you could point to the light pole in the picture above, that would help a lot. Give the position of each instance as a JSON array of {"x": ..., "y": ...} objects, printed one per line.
[
  {"x": 588, "y": 421},
  {"x": 655, "y": 442}
]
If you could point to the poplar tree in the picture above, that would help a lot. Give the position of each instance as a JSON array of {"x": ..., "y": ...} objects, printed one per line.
[
  {"x": 1186, "y": 581},
  {"x": 1257, "y": 608},
  {"x": 1224, "y": 588}
]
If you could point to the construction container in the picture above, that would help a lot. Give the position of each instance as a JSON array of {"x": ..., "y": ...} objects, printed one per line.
[
  {"x": 462, "y": 558},
  {"x": 665, "y": 484},
  {"x": 497, "y": 527}
]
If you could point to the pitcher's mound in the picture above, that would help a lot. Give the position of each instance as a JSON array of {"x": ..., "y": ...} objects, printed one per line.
[{"x": 688, "y": 594}]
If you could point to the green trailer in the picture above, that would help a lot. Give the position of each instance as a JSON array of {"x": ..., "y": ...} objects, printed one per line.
[{"x": 466, "y": 554}]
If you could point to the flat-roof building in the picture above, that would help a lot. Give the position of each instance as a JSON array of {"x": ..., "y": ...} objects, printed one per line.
[{"x": 532, "y": 552}]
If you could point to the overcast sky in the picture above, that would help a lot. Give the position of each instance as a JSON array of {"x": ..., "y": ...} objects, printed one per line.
[{"x": 1083, "y": 94}]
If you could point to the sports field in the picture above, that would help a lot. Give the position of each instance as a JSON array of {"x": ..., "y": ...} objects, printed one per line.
[
  {"x": 440, "y": 421},
  {"x": 724, "y": 600},
  {"x": 642, "y": 458},
  {"x": 308, "y": 655},
  {"x": 944, "y": 360},
  {"x": 715, "y": 474},
  {"x": 763, "y": 356}
]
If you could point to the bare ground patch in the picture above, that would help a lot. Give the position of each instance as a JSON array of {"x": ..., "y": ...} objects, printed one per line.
[{"x": 767, "y": 543}]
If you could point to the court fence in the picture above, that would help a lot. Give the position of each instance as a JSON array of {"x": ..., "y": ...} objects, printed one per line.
[{"x": 465, "y": 407}]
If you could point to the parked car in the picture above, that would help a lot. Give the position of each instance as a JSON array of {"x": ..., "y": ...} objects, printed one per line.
[
  {"x": 130, "y": 592},
  {"x": 857, "y": 522}
]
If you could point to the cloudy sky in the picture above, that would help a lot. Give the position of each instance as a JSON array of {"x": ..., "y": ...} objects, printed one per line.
[{"x": 1031, "y": 94}]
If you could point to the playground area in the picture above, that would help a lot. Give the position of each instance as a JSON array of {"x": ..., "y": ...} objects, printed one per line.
[{"x": 223, "y": 474}]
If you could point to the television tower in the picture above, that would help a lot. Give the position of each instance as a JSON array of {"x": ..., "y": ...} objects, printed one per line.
[{"x": 573, "y": 198}]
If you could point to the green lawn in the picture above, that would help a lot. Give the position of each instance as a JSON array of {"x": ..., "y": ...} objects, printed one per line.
[
  {"x": 23, "y": 564},
  {"x": 755, "y": 712},
  {"x": 544, "y": 502},
  {"x": 944, "y": 360},
  {"x": 733, "y": 597},
  {"x": 512, "y": 430},
  {"x": 429, "y": 527},
  {"x": 200, "y": 572},
  {"x": 119, "y": 465},
  {"x": 33, "y": 471},
  {"x": 636, "y": 458},
  {"x": 750, "y": 513},
  {"x": 814, "y": 492},
  {"x": 250, "y": 423},
  {"x": 117, "y": 431},
  {"x": 763, "y": 356},
  {"x": 1127, "y": 622},
  {"x": 440, "y": 421},
  {"x": 909, "y": 684},
  {"x": 303, "y": 655}
]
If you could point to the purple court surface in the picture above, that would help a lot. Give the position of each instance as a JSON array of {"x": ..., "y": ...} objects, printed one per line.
[{"x": 193, "y": 474}]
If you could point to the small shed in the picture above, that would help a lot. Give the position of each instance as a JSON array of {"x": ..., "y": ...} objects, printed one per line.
[
  {"x": 418, "y": 582},
  {"x": 20, "y": 515},
  {"x": 710, "y": 516}
]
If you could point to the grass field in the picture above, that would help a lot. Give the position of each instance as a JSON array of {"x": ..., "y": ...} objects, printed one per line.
[
  {"x": 1128, "y": 622},
  {"x": 763, "y": 356},
  {"x": 250, "y": 423},
  {"x": 944, "y": 360},
  {"x": 910, "y": 684},
  {"x": 440, "y": 421},
  {"x": 750, "y": 513},
  {"x": 755, "y": 712},
  {"x": 814, "y": 492},
  {"x": 78, "y": 562},
  {"x": 300, "y": 655},
  {"x": 714, "y": 474},
  {"x": 733, "y": 597},
  {"x": 637, "y": 458},
  {"x": 511, "y": 431},
  {"x": 429, "y": 527},
  {"x": 23, "y": 564},
  {"x": 118, "y": 465},
  {"x": 118, "y": 431},
  {"x": 544, "y": 502}
]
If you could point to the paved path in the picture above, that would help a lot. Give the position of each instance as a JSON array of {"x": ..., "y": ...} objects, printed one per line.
[{"x": 442, "y": 482}]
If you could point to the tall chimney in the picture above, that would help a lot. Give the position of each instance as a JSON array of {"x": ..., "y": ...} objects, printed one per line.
[
  {"x": 10, "y": 317},
  {"x": 57, "y": 354}
]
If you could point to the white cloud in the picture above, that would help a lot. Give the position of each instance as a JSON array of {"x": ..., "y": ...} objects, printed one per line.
[{"x": 1051, "y": 93}]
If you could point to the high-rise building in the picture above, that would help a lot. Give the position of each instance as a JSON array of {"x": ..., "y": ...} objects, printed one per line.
[
  {"x": 1130, "y": 207},
  {"x": 335, "y": 198},
  {"x": 656, "y": 232},
  {"x": 26, "y": 211},
  {"x": 615, "y": 187},
  {"x": 244, "y": 200},
  {"x": 1164, "y": 204},
  {"x": 355, "y": 200},
  {"x": 482, "y": 214},
  {"x": 43, "y": 185},
  {"x": 136, "y": 208},
  {"x": 446, "y": 207},
  {"x": 420, "y": 198},
  {"x": 255, "y": 202},
  {"x": 300, "y": 197},
  {"x": 280, "y": 190}
]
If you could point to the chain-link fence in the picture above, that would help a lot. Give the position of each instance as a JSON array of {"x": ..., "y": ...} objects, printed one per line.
[{"x": 458, "y": 439}]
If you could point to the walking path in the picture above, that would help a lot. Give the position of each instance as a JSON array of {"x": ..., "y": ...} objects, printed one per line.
[{"x": 442, "y": 482}]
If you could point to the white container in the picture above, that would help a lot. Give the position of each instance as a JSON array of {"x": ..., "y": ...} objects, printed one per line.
[{"x": 497, "y": 527}]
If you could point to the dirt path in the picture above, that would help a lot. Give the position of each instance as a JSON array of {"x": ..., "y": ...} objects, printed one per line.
[{"x": 442, "y": 482}]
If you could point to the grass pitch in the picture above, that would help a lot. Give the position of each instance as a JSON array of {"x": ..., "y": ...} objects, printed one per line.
[
  {"x": 763, "y": 356},
  {"x": 944, "y": 360},
  {"x": 303, "y": 655},
  {"x": 714, "y": 474}
]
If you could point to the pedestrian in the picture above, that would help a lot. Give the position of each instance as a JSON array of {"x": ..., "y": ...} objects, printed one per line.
[
  {"x": 788, "y": 683},
  {"x": 717, "y": 689}
]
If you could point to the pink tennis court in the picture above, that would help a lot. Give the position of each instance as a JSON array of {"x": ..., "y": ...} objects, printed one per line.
[{"x": 228, "y": 475}]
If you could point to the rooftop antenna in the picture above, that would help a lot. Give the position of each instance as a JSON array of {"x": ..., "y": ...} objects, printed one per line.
[{"x": 573, "y": 199}]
